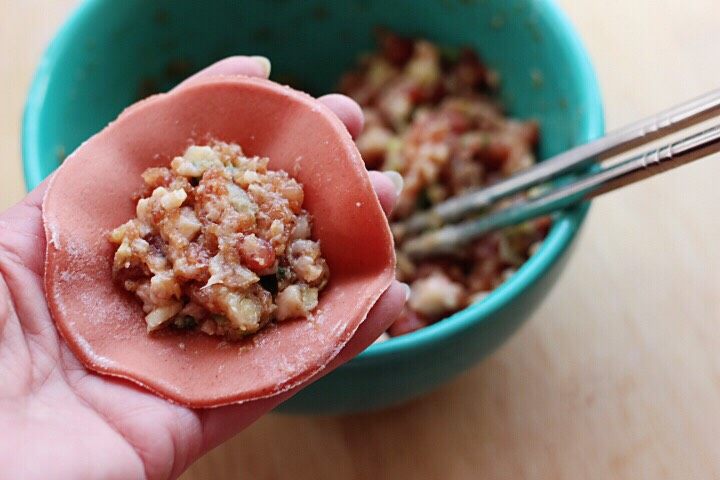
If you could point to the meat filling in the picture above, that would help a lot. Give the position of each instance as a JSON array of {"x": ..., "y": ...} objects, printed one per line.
[{"x": 219, "y": 244}]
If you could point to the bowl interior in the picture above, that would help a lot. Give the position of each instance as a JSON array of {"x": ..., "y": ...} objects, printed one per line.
[{"x": 110, "y": 54}]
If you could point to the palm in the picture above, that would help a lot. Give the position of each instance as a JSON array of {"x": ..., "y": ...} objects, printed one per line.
[
  {"x": 100, "y": 426},
  {"x": 77, "y": 424},
  {"x": 102, "y": 423}
]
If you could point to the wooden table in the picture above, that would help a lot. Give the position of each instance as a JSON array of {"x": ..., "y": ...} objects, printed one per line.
[{"x": 617, "y": 375}]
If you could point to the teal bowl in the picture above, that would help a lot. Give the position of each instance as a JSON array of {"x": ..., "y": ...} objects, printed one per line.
[{"x": 111, "y": 53}]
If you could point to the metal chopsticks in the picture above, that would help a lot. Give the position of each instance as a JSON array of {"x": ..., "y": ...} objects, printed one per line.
[{"x": 449, "y": 238}]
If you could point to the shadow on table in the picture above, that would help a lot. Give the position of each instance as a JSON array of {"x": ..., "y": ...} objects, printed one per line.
[{"x": 460, "y": 431}]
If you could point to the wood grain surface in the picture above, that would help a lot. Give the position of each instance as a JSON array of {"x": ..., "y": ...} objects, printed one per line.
[{"x": 617, "y": 375}]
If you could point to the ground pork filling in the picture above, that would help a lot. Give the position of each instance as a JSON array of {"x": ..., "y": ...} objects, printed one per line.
[
  {"x": 431, "y": 115},
  {"x": 220, "y": 244}
]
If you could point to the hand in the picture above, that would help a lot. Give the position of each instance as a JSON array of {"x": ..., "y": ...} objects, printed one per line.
[{"x": 58, "y": 419}]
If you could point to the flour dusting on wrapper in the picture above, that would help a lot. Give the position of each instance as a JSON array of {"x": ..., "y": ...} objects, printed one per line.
[{"x": 91, "y": 194}]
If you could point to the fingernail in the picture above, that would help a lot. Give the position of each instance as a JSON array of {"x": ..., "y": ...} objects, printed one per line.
[
  {"x": 406, "y": 289},
  {"x": 264, "y": 61},
  {"x": 396, "y": 179},
  {"x": 384, "y": 337}
]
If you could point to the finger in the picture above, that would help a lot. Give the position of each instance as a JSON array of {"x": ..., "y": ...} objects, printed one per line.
[
  {"x": 21, "y": 229},
  {"x": 35, "y": 198},
  {"x": 387, "y": 186},
  {"x": 347, "y": 110},
  {"x": 239, "y": 65},
  {"x": 221, "y": 423},
  {"x": 385, "y": 311}
]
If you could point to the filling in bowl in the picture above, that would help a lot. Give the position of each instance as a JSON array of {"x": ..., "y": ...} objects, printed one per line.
[
  {"x": 219, "y": 244},
  {"x": 431, "y": 115}
]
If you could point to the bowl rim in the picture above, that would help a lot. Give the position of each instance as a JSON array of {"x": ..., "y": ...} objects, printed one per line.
[
  {"x": 37, "y": 93},
  {"x": 561, "y": 235}
]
